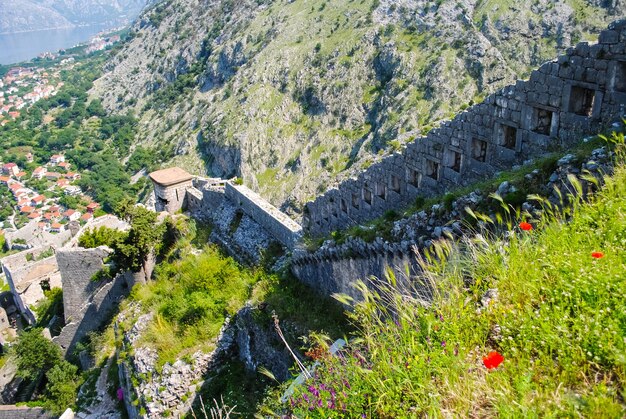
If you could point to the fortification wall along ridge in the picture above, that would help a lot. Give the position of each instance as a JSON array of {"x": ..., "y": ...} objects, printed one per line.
[
  {"x": 278, "y": 224},
  {"x": 575, "y": 95}
]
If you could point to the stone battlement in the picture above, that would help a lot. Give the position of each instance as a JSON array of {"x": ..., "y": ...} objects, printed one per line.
[{"x": 576, "y": 95}]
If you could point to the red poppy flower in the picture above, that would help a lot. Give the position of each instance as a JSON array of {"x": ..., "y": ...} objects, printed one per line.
[
  {"x": 492, "y": 360},
  {"x": 525, "y": 226},
  {"x": 597, "y": 255}
]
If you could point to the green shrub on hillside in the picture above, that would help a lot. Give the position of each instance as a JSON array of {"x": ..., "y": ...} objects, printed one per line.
[{"x": 191, "y": 298}]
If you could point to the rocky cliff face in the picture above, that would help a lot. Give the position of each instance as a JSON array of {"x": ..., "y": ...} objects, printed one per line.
[
  {"x": 33, "y": 15},
  {"x": 295, "y": 94}
]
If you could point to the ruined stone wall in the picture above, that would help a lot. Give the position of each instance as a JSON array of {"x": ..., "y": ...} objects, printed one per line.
[
  {"x": 335, "y": 270},
  {"x": 205, "y": 197},
  {"x": 578, "y": 94},
  {"x": 86, "y": 303},
  {"x": 24, "y": 273},
  {"x": 278, "y": 224},
  {"x": 23, "y": 412}
]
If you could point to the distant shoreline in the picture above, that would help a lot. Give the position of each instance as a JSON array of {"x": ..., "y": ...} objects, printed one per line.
[{"x": 54, "y": 28}]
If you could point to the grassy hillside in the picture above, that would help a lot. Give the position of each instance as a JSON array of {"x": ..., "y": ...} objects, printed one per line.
[{"x": 547, "y": 297}]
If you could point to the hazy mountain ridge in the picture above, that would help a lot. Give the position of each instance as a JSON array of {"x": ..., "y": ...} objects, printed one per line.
[
  {"x": 293, "y": 95},
  {"x": 31, "y": 15}
]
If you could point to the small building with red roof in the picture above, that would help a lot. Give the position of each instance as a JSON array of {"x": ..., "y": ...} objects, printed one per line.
[
  {"x": 38, "y": 200},
  {"x": 71, "y": 215},
  {"x": 26, "y": 209},
  {"x": 86, "y": 217},
  {"x": 39, "y": 173},
  {"x": 10, "y": 169},
  {"x": 56, "y": 227},
  {"x": 92, "y": 207}
]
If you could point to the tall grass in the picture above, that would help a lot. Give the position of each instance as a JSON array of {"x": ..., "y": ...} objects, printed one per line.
[{"x": 539, "y": 298}]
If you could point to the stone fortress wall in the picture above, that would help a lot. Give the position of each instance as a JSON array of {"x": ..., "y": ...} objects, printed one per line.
[
  {"x": 278, "y": 224},
  {"x": 577, "y": 94},
  {"x": 206, "y": 197},
  {"x": 86, "y": 303}
]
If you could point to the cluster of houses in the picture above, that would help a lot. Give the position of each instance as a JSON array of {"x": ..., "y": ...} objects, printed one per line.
[
  {"x": 22, "y": 87},
  {"x": 48, "y": 214},
  {"x": 98, "y": 43}
]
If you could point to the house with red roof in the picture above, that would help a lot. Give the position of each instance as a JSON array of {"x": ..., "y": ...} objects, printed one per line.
[
  {"x": 27, "y": 209},
  {"x": 62, "y": 182},
  {"x": 34, "y": 216},
  {"x": 56, "y": 228},
  {"x": 38, "y": 200},
  {"x": 10, "y": 169},
  {"x": 5, "y": 179},
  {"x": 86, "y": 217},
  {"x": 71, "y": 215},
  {"x": 64, "y": 165},
  {"x": 72, "y": 176},
  {"x": 39, "y": 173},
  {"x": 20, "y": 175},
  {"x": 92, "y": 207}
]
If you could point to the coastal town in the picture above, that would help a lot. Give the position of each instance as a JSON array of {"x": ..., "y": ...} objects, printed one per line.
[
  {"x": 42, "y": 200},
  {"x": 22, "y": 87}
]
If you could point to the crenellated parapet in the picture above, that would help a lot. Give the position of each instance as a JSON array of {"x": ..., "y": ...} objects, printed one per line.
[{"x": 578, "y": 94}]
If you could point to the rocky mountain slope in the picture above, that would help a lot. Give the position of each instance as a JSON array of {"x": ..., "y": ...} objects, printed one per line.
[
  {"x": 295, "y": 94},
  {"x": 32, "y": 15}
]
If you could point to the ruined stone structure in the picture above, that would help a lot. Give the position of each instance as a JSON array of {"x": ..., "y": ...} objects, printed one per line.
[
  {"x": 205, "y": 197},
  {"x": 577, "y": 94},
  {"x": 170, "y": 188},
  {"x": 28, "y": 276},
  {"x": 86, "y": 303},
  {"x": 278, "y": 224}
]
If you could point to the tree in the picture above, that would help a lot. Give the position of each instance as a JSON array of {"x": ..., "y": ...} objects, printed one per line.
[
  {"x": 62, "y": 386},
  {"x": 102, "y": 236},
  {"x": 144, "y": 237},
  {"x": 35, "y": 354}
]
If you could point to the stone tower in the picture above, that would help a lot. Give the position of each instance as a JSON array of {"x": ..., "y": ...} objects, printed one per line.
[{"x": 170, "y": 188}]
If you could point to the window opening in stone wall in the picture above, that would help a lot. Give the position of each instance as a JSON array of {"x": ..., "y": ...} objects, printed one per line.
[
  {"x": 381, "y": 190},
  {"x": 479, "y": 150},
  {"x": 395, "y": 183},
  {"x": 453, "y": 160},
  {"x": 543, "y": 124},
  {"x": 581, "y": 100},
  {"x": 177, "y": 198},
  {"x": 432, "y": 169},
  {"x": 367, "y": 196},
  {"x": 508, "y": 136},
  {"x": 413, "y": 177},
  {"x": 620, "y": 77},
  {"x": 344, "y": 205},
  {"x": 355, "y": 201}
]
